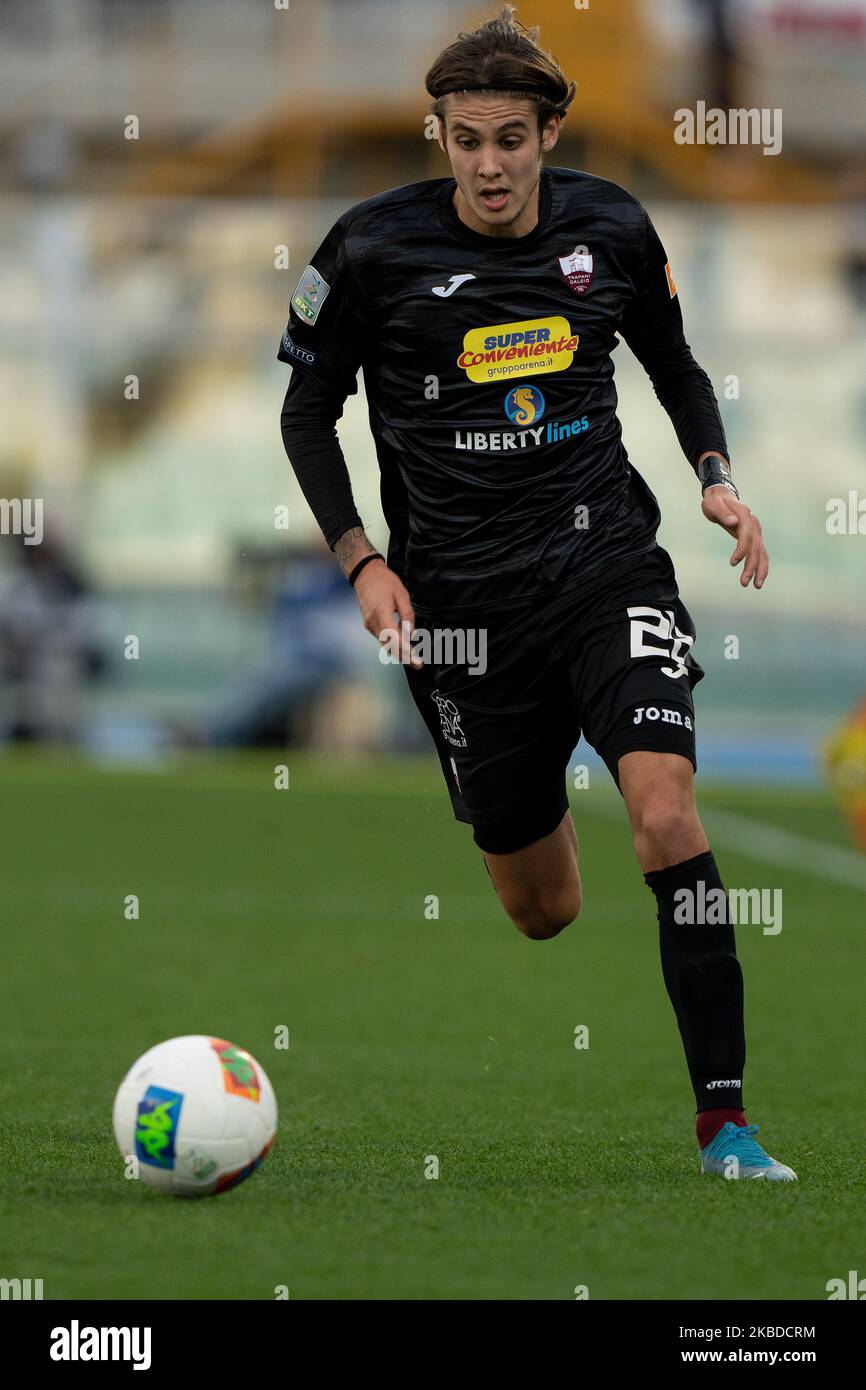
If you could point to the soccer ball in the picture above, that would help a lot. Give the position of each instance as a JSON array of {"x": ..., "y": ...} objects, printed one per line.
[{"x": 198, "y": 1113}]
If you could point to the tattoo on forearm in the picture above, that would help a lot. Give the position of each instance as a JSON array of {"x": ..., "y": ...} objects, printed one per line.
[{"x": 352, "y": 546}]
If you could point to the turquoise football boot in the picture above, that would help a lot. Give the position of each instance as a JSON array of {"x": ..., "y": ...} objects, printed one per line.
[{"x": 736, "y": 1142}]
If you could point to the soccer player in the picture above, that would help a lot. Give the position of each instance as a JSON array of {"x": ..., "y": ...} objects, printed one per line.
[{"x": 483, "y": 310}]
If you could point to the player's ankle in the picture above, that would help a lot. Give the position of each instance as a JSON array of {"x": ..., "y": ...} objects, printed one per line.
[{"x": 709, "y": 1122}]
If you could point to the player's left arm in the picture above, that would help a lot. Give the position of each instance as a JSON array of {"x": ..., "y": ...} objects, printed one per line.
[{"x": 652, "y": 325}]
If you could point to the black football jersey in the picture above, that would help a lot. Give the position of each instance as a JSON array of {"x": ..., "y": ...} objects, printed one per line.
[{"x": 488, "y": 370}]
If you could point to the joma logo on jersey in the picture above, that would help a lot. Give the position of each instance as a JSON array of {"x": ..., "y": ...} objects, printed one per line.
[{"x": 518, "y": 349}]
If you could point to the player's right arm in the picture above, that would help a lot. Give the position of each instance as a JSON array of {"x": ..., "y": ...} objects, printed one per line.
[
  {"x": 323, "y": 343},
  {"x": 382, "y": 596},
  {"x": 308, "y": 426}
]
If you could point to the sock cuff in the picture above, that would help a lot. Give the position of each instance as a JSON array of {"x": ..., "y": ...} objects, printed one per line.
[{"x": 688, "y": 872}]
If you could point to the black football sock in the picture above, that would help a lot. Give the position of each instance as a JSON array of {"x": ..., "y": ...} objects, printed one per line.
[{"x": 703, "y": 977}]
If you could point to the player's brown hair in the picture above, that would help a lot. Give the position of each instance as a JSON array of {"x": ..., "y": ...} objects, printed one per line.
[{"x": 502, "y": 56}]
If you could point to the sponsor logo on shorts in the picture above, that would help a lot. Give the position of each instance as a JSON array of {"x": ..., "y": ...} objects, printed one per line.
[
  {"x": 311, "y": 293},
  {"x": 577, "y": 269},
  {"x": 449, "y": 716},
  {"x": 667, "y": 716},
  {"x": 525, "y": 348},
  {"x": 291, "y": 349}
]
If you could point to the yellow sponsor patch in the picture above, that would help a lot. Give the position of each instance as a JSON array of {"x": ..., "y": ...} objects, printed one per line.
[{"x": 518, "y": 349}]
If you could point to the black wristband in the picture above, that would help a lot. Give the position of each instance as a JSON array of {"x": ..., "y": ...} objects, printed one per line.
[
  {"x": 360, "y": 565},
  {"x": 713, "y": 471}
]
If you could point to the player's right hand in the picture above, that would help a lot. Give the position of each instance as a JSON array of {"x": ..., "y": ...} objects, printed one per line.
[{"x": 386, "y": 610}]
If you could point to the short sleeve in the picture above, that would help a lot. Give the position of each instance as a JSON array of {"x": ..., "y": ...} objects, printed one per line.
[{"x": 325, "y": 332}]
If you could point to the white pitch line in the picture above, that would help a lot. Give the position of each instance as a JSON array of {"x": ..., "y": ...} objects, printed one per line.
[
  {"x": 768, "y": 844},
  {"x": 757, "y": 840}
]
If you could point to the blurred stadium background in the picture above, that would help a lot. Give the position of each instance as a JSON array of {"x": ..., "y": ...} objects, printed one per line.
[
  {"x": 154, "y": 257},
  {"x": 142, "y": 299}
]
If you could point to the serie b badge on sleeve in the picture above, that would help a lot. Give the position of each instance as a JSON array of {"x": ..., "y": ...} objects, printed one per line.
[{"x": 310, "y": 295}]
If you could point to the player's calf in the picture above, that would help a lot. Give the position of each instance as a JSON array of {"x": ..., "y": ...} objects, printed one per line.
[{"x": 539, "y": 885}]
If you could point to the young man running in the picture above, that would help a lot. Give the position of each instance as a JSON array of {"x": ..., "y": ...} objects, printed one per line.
[{"x": 483, "y": 310}]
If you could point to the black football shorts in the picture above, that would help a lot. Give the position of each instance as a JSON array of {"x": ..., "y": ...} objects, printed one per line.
[{"x": 507, "y": 698}]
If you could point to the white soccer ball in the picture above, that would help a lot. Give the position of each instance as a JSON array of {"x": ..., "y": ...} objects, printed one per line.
[{"x": 198, "y": 1114}]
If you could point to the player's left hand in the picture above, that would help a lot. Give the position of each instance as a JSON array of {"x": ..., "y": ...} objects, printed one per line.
[{"x": 721, "y": 507}]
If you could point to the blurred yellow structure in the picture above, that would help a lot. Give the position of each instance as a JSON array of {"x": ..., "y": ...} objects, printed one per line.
[
  {"x": 846, "y": 768},
  {"x": 621, "y": 121}
]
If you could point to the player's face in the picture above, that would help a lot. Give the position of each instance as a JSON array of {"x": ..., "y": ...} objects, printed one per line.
[{"x": 495, "y": 150}]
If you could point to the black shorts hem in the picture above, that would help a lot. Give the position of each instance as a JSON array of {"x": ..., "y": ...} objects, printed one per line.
[
  {"x": 611, "y": 753},
  {"x": 518, "y": 831}
]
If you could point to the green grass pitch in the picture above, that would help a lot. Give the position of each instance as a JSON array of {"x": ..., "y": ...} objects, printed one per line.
[{"x": 409, "y": 1037}]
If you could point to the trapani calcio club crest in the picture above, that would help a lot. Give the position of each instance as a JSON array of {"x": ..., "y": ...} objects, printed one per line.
[{"x": 577, "y": 269}]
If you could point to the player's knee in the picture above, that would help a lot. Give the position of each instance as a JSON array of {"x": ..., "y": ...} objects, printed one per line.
[
  {"x": 664, "y": 824},
  {"x": 541, "y": 919}
]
